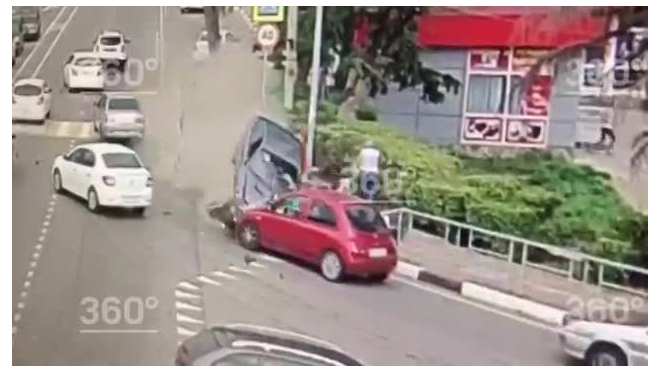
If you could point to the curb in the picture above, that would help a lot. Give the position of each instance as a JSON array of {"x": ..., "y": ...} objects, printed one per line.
[{"x": 524, "y": 307}]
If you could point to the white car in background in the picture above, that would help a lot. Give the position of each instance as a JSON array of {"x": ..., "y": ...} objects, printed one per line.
[
  {"x": 105, "y": 175},
  {"x": 605, "y": 344},
  {"x": 110, "y": 46},
  {"x": 83, "y": 70},
  {"x": 31, "y": 100}
]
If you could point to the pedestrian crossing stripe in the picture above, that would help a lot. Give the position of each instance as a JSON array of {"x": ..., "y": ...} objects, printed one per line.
[{"x": 60, "y": 129}]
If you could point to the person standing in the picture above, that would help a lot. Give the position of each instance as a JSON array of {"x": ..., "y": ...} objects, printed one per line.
[
  {"x": 607, "y": 132},
  {"x": 368, "y": 166}
]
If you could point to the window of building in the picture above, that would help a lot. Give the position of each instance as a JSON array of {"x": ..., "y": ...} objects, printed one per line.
[{"x": 497, "y": 110}]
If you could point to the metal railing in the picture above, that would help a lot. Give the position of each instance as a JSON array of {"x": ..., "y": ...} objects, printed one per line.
[{"x": 567, "y": 262}]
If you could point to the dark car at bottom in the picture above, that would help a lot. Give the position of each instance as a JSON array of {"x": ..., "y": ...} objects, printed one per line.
[{"x": 251, "y": 345}]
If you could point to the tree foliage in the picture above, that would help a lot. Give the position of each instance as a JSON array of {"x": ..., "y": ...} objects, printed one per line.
[{"x": 386, "y": 53}]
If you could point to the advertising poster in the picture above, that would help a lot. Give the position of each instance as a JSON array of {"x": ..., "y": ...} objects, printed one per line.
[
  {"x": 482, "y": 130},
  {"x": 489, "y": 59},
  {"x": 536, "y": 101},
  {"x": 525, "y": 131},
  {"x": 524, "y": 59}
]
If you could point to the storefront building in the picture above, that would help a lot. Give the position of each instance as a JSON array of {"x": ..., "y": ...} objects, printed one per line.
[{"x": 490, "y": 55}]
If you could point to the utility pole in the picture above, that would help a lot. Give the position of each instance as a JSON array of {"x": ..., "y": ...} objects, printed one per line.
[
  {"x": 291, "y": 57},
  {"x": 212, "y": 23},
  {"x": 314, "y": 93}
]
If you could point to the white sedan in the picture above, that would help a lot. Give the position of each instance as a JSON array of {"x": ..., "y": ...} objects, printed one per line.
[
  {"x": 605, "y": 344},
  {"x": 105, "y": 175},
  {"x": 84, "y": 70},
  {"x": 31, "y": 100}
]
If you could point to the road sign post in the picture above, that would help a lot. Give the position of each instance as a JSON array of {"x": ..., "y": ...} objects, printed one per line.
[{"x": 267, "y": 37}]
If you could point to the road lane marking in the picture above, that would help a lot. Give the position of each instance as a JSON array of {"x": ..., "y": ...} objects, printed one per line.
[
  {"x": 240, "y": 270},
  {"x": 222, "y": 274},
  {"x": 13, "y": 329},
  {"x": 183, "y": 318},
  {"x": 118, "y": 331},
  {"x": 186, "y": 295},
  {"x": 17, "y": 317},
  {"x": 270, "y": 258},
  {"x": 24, "y": 294},
  {"x": 44, "y": 230},
  {"x": 184, "y": 331},
  {"x": 255, "y": 264},
  {"x": 206, "y": 280},
  {"x": 38, "y": 246},
  {"x": 35, "y": 255},
  {"x": 30, "y": 274},
  {"x": 48, "y": 216},
  {"x": 36, "y": 46},
  {"x": 26, "y": 284},
  {"x": 460, "y": 299},
  {"x": 52, "y": 46},
  {"x": 161, "y": 48},
  {"x": 32, "y": 265},
  {"x": 41, "y": 239},
  {"x": 188, "y": 285},
  {"x": 186, "y": 306}
]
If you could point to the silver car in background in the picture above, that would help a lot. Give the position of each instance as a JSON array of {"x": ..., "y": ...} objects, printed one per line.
[
  {"x": 119, "y": 117},
  {"x": 31, "y": 21}
]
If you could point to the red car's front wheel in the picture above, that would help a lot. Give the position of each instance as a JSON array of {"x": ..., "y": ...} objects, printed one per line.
[{"x": 248, "y": 236}]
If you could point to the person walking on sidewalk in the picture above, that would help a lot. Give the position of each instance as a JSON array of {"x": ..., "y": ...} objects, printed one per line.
[{"x": 607, "y": 132}]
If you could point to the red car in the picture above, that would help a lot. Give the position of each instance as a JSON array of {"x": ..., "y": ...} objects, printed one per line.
[{"x": 341, "y": 234}]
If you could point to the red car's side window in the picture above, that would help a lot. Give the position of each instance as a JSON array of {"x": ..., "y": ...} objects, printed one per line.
[{"x": 323, "y": 214}]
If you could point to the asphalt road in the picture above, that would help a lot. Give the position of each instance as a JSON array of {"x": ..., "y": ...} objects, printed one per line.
[{"x": 63, "y": 255}]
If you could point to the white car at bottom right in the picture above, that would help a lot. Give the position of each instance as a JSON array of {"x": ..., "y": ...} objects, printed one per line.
[{"x": 605, "y": 344}]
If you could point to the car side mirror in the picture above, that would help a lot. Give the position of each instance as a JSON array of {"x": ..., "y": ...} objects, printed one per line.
[
  {"x": 48, "y": 90},
  {"x": 127, "y": 40},
  {"x": 66, "y": 157}
]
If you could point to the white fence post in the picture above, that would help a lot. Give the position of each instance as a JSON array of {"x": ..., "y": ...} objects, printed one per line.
[
  {"x": 398, "y": 228},
  {"x": 524, "y": 255},
  {"x": 512, "y": 247},
  {"x": 469, "y": 238},
  {"x": 601, "y": 269}
]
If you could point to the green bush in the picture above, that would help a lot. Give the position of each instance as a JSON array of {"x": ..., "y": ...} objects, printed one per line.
[{"x": 532, "y": 195}]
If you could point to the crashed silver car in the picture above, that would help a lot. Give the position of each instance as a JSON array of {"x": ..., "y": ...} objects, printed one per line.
[{"x": 267, "y": 164}]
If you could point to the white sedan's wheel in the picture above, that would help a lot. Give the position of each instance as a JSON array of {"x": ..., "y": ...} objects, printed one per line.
[
  {"x": 93, "y": 201},
  {"x": 57, "y": 181},
  {"x": 332, "y": 268}
]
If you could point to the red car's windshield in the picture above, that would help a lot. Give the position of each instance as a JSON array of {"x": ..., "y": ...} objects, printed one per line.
[{"x": 365, "y": 218}]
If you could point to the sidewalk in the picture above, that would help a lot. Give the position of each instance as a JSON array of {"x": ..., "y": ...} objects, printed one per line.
[
  {"x": 218, "y": 97},
  {"x": 526, "y": 290}
]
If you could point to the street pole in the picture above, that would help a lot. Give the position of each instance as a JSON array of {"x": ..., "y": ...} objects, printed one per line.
[
  {"x": 314, "y": 91},
  {"x": 291, "y": 57},
  {"x": 212, "y": 24}
]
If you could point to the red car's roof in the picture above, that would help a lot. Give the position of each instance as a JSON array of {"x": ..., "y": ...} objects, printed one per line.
[{"x": 328, "y": 195}]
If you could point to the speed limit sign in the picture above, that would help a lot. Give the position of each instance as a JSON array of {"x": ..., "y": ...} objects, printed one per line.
[{"x": 268, "y": 35}]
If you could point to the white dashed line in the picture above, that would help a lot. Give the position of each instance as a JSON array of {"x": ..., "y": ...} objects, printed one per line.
[
  {"x": 26, "y": 284},
  {"x": 186, "y": 295},
  {"x": 20, "y": 305},
  {"x": 270, "y": 258},
  {"x": 44, "y": 231},
  {"x": 187, "y": 285},
  {"x": 42, "y": 238},
  {"x": 46, "y": 223},
  {"x": 35, "y": 255},
  {"x": 240, "y": 270},
  {"x": 184, "y": 318},
  {"x": 184, "y": 331},
  {"x": 33, "y": 265},
  {"x": 24, "y": 294},
  {"x": 38, "y": 246},
  {"x": 204, "y": 279},
  {"x": 30, "y": 274},
  {"x": 48, "y": 216},
  {"x": 222, "y": 274},
  {"x": 13, "y": 329},
  {"x": 17, "y": 317},
  {"x": 255, "y": 264},
  {"x": 182, "y": 305}
]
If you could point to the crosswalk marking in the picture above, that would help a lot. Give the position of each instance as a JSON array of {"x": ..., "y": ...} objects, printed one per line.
[
  {"x": 222, "y": 274},
  {"x": 240, "y": 270},
  {"x": 60, "y": 129},
  {"x": 204, "y": 279}
]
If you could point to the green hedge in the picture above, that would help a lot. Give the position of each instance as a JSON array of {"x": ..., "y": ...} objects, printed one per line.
[{"x": 533, "y": 195}]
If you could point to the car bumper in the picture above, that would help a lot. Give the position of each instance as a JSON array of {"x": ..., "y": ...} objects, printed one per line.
[
  {"x": 369, "y": 266},
  {"x": 574, "y": 345},
  {"x": 28, "y": 114},
  {"x": 112, "y": 56},
  {"x": 114, "y": 198},
  {"x": 123, "y": 134},
  {"x": 87, "y": 82}
]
